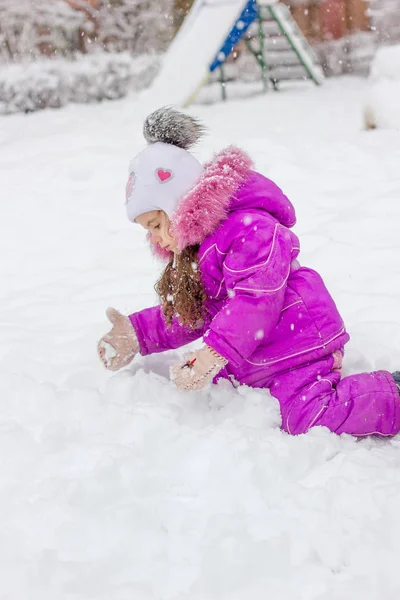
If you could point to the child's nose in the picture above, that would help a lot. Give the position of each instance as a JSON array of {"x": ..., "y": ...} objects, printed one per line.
[{"x": 155, "y": 238}]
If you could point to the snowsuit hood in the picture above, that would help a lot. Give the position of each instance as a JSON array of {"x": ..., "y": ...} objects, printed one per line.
[{"x": 227, "y": 184}]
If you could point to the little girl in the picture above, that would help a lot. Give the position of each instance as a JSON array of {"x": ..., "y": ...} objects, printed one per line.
[{"x": 233, "y": 278}]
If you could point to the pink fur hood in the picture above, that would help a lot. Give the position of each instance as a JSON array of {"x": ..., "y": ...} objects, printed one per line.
[{"x": 201, "y": 211}]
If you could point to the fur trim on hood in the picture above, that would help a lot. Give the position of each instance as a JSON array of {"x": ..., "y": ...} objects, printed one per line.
[{"x": 207, "y": 204}]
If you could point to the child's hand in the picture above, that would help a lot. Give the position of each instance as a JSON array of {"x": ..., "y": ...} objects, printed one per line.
[
  {"x": 118, "y": 347},
  {"x": 198, "y": 370}
]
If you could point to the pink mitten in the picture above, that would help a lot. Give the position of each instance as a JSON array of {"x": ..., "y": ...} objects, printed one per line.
[
  {"x": 198, "y": 370},
  {"x": 118, "y": 347}
]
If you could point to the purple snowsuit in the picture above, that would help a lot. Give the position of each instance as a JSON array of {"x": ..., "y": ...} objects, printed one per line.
[{"x": 273, "y": 320}]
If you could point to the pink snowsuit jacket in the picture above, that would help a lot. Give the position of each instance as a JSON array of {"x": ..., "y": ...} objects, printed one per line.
[{"x": 272, "y": 319}]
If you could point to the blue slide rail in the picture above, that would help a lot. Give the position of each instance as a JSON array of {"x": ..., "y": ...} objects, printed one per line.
[{"x": 248, "y": 15}]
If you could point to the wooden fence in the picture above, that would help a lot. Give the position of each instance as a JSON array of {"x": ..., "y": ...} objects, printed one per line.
[
  {"x": 330, "y": 19},
  {"x": 319, "y": 20}
]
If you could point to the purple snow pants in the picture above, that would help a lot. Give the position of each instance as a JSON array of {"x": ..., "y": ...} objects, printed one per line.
[{"x": 316, "y": 394}]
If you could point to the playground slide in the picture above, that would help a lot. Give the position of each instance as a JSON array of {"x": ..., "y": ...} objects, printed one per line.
[{"x": 186, "y": 64}]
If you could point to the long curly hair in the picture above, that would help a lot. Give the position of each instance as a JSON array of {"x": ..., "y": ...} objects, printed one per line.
[{"x": 180, "y": 289}]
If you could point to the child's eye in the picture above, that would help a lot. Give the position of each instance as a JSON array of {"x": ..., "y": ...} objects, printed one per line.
[{"x": 157, "y": 226}]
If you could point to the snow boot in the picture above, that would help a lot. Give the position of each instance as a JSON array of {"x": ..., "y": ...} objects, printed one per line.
[{"x": 396, "y": 377}]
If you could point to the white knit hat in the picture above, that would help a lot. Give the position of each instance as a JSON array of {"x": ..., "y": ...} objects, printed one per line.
[
  {"x": 158, "y": 178},
  {"x": 162, "y": 174}
]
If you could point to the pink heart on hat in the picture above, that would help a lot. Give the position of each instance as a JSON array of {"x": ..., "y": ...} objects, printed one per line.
[{"x": 164, "y": 175}]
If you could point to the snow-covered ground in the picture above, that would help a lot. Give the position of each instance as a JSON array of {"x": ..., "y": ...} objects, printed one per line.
[{"x": 119, "y": 487}]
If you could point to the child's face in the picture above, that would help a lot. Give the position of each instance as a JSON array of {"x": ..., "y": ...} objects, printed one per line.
[{"x": 159, "y": 226}]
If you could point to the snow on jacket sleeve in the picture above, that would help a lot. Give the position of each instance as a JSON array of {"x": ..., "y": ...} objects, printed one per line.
[
  {"x": 256, "y": 270},
  {"x": 154, "y": 335}
]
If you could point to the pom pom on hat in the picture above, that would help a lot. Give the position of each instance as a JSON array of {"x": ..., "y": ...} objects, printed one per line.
[
  {"x": 170, "y": 126},
  {"x": 164, "y": 172}
]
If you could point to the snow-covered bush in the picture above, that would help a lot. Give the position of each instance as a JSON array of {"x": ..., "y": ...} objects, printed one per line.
[
  {"x": 136, "y": 25},
  {"x": 46, "y": 83},
  {"x": 96, "y": 78},
  {"x": 385, "y": 19},
  {"x": 28, "y": 88},
  {"x": 350, "y": 54},
  {"x": 28, "y": 28},
  {"x": 108, "y": 76},
  {"x": 382, "y": 107}
]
